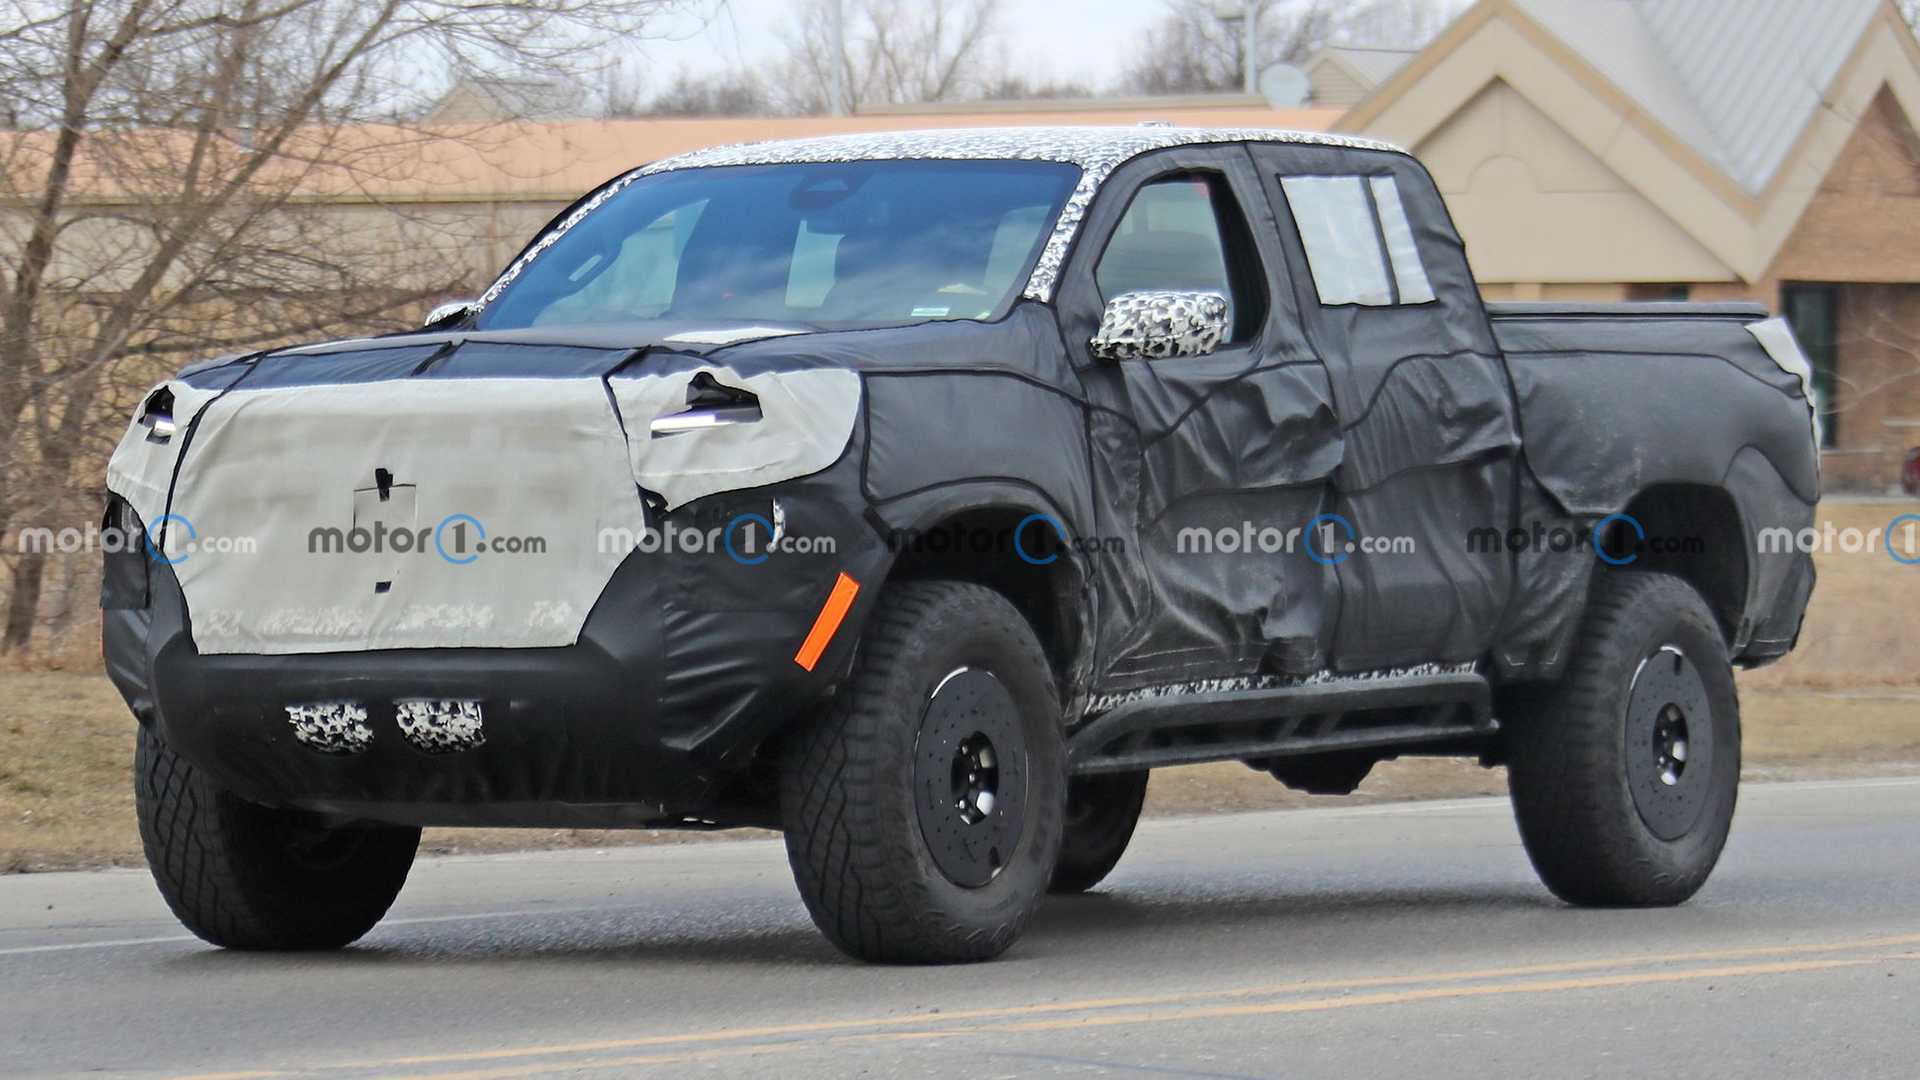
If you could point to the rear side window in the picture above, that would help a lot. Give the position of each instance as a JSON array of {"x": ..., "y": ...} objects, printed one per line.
[{"x": 1359, "y": 243}]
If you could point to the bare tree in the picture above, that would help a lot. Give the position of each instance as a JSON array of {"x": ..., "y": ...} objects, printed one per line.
[
  {"x": 163, "y": 194},
  {"x": 894, "y": 52},
  {"x": 1195, "y": 50},
  {"x": 623, "y": 93},
  {"x": 1013, "y": 87},
  {"x": 731, "y": 93}
]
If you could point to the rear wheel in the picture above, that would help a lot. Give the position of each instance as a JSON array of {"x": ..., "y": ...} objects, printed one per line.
[
  {"x": 1102, "y": 811},
  {"x": 1625, "y": 774},
  {"x": 923, "y": 807},
  {"x": 246, "y": 876}
]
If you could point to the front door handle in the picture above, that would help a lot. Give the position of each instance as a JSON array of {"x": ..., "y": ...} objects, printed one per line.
[
  {"x": 157, "y": 416},
  {"x": 703, "y": 417}
]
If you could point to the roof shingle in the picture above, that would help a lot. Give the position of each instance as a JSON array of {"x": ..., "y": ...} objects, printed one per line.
[{"x": 1737, "y": 79}]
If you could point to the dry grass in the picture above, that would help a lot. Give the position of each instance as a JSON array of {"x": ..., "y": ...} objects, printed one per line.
[
  {"x": 66, "y": 756},
  {"x": 66, "y": 783},
  {"x": 1846, "y": 703},
  {"x": 66, "y": 792}
]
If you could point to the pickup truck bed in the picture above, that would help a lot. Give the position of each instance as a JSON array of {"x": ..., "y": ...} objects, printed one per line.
[{"x": 1573, "y": 368}]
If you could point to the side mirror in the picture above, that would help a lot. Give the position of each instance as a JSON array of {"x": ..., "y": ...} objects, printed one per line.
[
  {"x": 1159, "y": 325},
  {"x": 446, "y": 311}
]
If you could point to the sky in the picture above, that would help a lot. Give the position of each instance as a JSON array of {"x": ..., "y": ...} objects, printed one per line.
[{"x": 1064, "y": 40}]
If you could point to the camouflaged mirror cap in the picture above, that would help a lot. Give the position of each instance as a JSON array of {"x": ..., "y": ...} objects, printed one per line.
[
  {"x": 1096, "y": 150},
  {"x": 1160, "y": 325}
]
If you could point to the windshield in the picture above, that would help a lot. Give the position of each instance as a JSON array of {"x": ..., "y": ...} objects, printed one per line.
[{"x": 838, "y": 243}]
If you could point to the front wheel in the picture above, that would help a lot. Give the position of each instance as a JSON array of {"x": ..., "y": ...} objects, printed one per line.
[
  {"x": 245, "y": 876},
  {"x": 923, "y": 807},
  {"x": 1625, "y": 773}
]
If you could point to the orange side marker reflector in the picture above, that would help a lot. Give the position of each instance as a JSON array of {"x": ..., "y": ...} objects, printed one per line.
[{"x": 832, "y": 613}]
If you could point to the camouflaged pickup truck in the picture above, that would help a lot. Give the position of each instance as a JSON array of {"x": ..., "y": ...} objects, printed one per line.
[{"x": 917, "y": 494}]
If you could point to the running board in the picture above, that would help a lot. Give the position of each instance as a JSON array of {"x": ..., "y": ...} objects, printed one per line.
[{"x": 1400, "y": 711}]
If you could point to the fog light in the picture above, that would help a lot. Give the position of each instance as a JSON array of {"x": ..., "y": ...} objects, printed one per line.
[
  {"x": 331, "y": 727},
  {"x": 440, "y": 725}
]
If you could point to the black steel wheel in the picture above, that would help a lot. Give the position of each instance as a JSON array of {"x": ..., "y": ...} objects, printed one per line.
[
  {"x": 970, "y": 788},
  {"x": 1625, "y": 773},
  {"x": 1670, "y": 740}
]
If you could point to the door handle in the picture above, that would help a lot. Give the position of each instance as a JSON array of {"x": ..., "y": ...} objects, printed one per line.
[
  {"x": 157, "y": 416},
  {"x": 710, "y": 404},
  {"x": 701, "y": 418}
]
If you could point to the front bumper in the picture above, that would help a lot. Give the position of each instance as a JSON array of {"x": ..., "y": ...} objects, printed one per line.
[{"x": 651, "y": 718}]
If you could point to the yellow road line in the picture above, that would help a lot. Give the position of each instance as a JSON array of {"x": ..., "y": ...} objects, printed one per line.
[
  {"x": 1084, "y": 1005},
  {"x": 1038, "y": 1010},
  {"x": 1184, "y": 1015}
]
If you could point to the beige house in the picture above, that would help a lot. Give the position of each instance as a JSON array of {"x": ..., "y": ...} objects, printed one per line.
[
  {"x": 1590, "y": 149},
  {"x": 1341, "y": 76},
  {"x": 1704, "y": 149}
]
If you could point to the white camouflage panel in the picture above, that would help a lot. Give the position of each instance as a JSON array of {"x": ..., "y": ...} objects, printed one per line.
[
  {"x": 316, "y": 557},
  {"x": 806, "y": 420},
  {"x": 1104, "y": 703},
  {"x": 542, "y": 461},
  {"x": 331, "y": 727},
  {"x": 1161, "y": 324},
  {"x": 441, "y": 727}
]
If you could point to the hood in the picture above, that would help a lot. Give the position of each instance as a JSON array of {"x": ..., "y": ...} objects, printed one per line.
[{"x": 687, "y": 336}]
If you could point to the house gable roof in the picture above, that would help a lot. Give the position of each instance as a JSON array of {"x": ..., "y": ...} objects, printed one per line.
[
  {"x": 1371, "y": 67},
  {"x": 1726, "y": 114},
  {"x": 1739, "y": 79}
]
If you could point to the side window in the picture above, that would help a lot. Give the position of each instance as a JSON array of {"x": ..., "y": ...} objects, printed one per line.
[
  {"x": 1359, "y": 242},
  {"x": 1186, "y": 233}
]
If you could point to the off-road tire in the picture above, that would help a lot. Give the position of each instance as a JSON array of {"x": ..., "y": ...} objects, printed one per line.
[
  {"x": 1587, "y": 806},
  {"x": 245, "y": 876},
  {"x": 863, "y": 853},
  {"x": 1102, "y": 811}
]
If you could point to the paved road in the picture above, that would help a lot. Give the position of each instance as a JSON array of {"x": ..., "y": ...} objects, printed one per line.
[{"x": 1371, "y": 942}]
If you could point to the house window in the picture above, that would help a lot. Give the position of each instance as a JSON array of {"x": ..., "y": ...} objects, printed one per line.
[
  {"x": 1814, "y": 312},
  {"x": 1359, "y": 242},
  {"x": 1663, "y": 292}
]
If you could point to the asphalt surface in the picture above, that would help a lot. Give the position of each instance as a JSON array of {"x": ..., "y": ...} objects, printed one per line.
[{"x": 1386, "y": 941}]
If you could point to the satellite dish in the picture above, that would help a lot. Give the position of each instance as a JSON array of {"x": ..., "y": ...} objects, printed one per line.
[{"x": 1285, "y": 86}]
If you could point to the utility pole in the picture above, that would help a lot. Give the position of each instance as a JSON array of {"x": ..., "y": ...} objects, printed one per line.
[
  {"x": 837, "y": 102},
  {"x": 1247, "y": 13},
  {"x": 1252, "y": 65}
]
